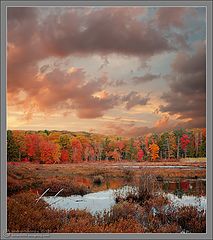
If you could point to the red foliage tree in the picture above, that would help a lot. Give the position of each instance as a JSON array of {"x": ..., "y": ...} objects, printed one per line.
[
  {"x": 32, "y": 146},
  {"x": 77, "y": 150},
  {"x": 64, "y": 155},
  {"x": 120, "y": 145},
  {"x": 184, "y": 142},
  {"x": 86, "y": 147},
  {"x": 91, "y": 153},
  {"x": 140, "y": 155}
]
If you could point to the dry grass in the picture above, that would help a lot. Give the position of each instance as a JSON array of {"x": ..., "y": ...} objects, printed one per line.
[
  {"x": 193, "y": 160},
  {"x": 77, "y": 178}
]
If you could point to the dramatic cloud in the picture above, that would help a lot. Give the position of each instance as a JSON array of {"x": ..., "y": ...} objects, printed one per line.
[
  {"x": 52, "y": 90},
  {"x": 24, "y": 49},
  {"x": 146, "y": 78},
  {"x": 103, "y": 31},
  {"x": 72, "y": 31},
  {"x": 186, "y": 63},
  {"x": 187, "y": 95},
  {"x": 89, "y": 63},
  {"x": 173, "y": 21},
  {"x": 171, "y": 17},
  {"x": 133, "y": 99},
  {"x": 59, "y": 90}
]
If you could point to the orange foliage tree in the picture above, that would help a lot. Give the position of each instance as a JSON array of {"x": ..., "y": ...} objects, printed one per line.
[
  {"x": 115, "y": 155},
  {"x": 49, "y": 152},
  {"x": 154, "y": 149}
]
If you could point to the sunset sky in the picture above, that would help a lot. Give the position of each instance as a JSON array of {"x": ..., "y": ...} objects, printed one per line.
[{"x": 110, "y": 70}]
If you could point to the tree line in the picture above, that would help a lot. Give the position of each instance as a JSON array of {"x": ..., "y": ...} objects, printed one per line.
[{"x": 63, "y": 146}]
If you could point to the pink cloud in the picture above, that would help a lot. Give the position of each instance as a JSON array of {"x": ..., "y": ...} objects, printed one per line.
[
  {"x": 171, "y": 16},
  {"x": 103, "y": 31},
  {"x": 133, "y": 130}
]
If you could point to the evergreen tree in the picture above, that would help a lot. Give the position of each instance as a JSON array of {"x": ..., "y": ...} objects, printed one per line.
[{"x": 12, "y": 148}]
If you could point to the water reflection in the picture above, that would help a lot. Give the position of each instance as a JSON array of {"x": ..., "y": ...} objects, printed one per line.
[
  {"x": 186, "y": 186},
  {"x": 194, "y": 187},
  {"x": 104, "y": 184}
]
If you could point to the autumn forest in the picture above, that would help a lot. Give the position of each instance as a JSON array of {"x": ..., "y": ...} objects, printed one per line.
[{"x": 68, "y": 147}]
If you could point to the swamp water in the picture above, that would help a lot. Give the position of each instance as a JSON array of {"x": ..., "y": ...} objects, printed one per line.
[{"x": 180, "y": 193}]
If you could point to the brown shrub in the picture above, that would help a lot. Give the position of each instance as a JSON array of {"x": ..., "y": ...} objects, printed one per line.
[
  {"x": 122, "y": 210},
  {"x": 191, "y": 220},
  {"x": 69, "y": 187},
  {"x": 13, "y": 186},
  {"x": 158, "y": 202},
  {"x": 124, "y": 225},
  {"x": 24, "y": 215},
  {"x": 147, "y": 189},
  {"x": 128, "y": 174},
  {"x": 169, "y": 228},
  {"x": 80, "y": 221},
  {"x": 98, "y": 179},
  {"x": 83, "y": 222}
]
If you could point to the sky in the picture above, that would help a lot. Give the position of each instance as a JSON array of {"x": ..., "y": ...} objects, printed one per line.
[{"x": 111, "y": 70}]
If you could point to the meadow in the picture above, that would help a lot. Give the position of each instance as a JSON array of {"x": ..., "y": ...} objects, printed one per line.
[{"x": 130, "y": 213}]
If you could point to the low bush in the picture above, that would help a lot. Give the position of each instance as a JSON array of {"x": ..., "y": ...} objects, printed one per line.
[
  {"x": 98, "y": 179},
  {"x": 128, "y": 174},
  {"x": 69, "y": 187},
  {"x": 79, "y": 222},
  {"x": 24, "y": 215},
  {"x": 191, "y": 220}
]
